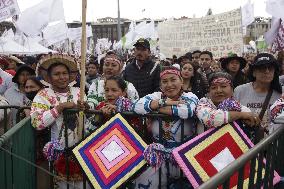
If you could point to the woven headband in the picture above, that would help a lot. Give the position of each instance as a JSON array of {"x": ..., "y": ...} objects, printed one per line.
[
  {"x": 108, "y": 59},
  {"x": 176, "y": 72},
  {"x": 221, "y": 80}
]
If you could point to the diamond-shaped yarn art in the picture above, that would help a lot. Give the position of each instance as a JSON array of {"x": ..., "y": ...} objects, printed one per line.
[
  {"x": 208, "y": 153},
  {"x": 112, "y": 154}
]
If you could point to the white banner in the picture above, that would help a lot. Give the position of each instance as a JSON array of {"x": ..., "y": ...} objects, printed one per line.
[
  {"x": 220, "y": 34},
  {"x": 34, "y": 19},
  {"x": 76, "y": 33},
  {"x": 8, "y": 8},
  {"x": 55, "y": 32}
]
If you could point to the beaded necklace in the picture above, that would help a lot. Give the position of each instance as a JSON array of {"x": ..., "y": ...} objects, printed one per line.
[{"x": 69, "y": 96}]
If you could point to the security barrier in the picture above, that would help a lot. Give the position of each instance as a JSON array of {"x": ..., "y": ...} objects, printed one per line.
[{"x": 18, "y": 167}]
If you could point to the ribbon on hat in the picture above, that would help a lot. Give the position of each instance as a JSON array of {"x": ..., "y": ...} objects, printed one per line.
[{"x": 172, "y": 71}]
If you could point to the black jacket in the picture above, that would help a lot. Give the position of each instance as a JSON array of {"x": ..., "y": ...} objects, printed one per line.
[
  {"x": 240, "y": 79},
  {"x": 146, "y": 80},
  {"x": 200, "y": 85}
]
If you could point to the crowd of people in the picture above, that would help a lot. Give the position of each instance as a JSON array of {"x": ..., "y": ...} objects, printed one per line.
[{"x": 192, "y": 89}]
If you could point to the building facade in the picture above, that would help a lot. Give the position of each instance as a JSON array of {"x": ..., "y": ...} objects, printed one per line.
[
  {"x": 257, "y": 29},
  {"x": 107, "y": 27}
]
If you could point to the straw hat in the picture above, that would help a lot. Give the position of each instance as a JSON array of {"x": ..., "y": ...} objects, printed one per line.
[
  {"x": 14, "y": 59},
  {"x": 46, "y": 61}
]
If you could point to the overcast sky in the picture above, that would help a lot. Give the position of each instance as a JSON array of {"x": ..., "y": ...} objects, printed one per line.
[{"x": 132, "y": 9}]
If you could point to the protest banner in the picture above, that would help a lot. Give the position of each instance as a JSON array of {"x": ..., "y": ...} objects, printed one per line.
[
  {"x": 220, "y": 34},
  {"x": 8, "y": 8}
]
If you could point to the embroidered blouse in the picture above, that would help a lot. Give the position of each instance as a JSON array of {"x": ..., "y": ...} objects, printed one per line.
[
  {"x": 182, "y": 114},
  {"x": 211, "y": 116},
  {"x": 44, "y": 113},
  {"x": 96, "y": 93}
]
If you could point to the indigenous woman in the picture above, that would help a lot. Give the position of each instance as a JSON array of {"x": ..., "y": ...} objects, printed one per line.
[
  {"x": 112, "y": 67},
  {"x": 219, "y": 107},
  {"x": 115, "y": 101},
  {"x": 47, "y": 108},
  {"x": 179, "y": 105}
]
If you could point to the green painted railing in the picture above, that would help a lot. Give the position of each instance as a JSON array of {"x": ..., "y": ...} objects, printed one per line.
[{"x": 14, "y": 172}]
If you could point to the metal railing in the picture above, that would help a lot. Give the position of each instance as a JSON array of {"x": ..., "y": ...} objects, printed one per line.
[
  {"x": 6, "y": 122},
  {"x": 9, "y": 149},
  {"x": 20, "y": 140},
  {"x": 143, "y": 132},
  {"x": 271, "y": 149},
  {"x": 14, "y": 173}
]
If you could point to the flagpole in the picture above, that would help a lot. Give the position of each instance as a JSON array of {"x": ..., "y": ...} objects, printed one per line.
[
  {"x": 83, "y": 67},
  {"x": 118, "y": 22},
  {"x": 242, "y": 32}
]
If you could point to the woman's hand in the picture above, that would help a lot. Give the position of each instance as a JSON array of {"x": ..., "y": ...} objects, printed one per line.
[
  {"x": 250, "y": 118},
  {"x": 27, "y": 112},
  {"x": 82, "y": 106},
  {"x": 65, "y": 105},
  {"x": 154, "y": 104},
  {"x": 108, "y": 109}
]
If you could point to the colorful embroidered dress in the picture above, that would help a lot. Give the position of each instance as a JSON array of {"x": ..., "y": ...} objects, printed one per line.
[
  {"x": 182, "y": 116},
  {"x": 44, "y": 114},
  {"x": 96, "y": 93}
]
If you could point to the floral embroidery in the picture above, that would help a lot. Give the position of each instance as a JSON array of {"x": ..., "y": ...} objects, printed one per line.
[
  {"x": 42, "y": 116},
  {"x": 209, "y": 114},
  {"x": 123, "y": 104}
]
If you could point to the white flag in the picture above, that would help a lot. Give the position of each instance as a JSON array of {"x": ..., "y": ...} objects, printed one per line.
[
  {"x": 55, "y": 32},
  {"x": 247, "y": 13},
  {"x": 34, "y": 19},
  {"x": 76, "y": 33},
  {"x": 275, "y": 8},
  {"x": 8, "y": 9},
  {"x": 271, "y": 34}
]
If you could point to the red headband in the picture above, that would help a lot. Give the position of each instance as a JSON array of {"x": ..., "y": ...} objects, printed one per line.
[
  {"x": 221, "y": 80},
  {"x": 111, "y": 59},
  {"x": 176, "y": 72}
]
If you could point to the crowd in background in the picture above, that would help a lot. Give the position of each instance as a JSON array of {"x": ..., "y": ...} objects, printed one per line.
[{"x": 194, "y": 89}]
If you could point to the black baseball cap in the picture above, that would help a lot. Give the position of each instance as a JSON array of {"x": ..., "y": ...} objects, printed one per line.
[
  {"x": 264, "y": 59},
  {"x": 142, "y": 42}
]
